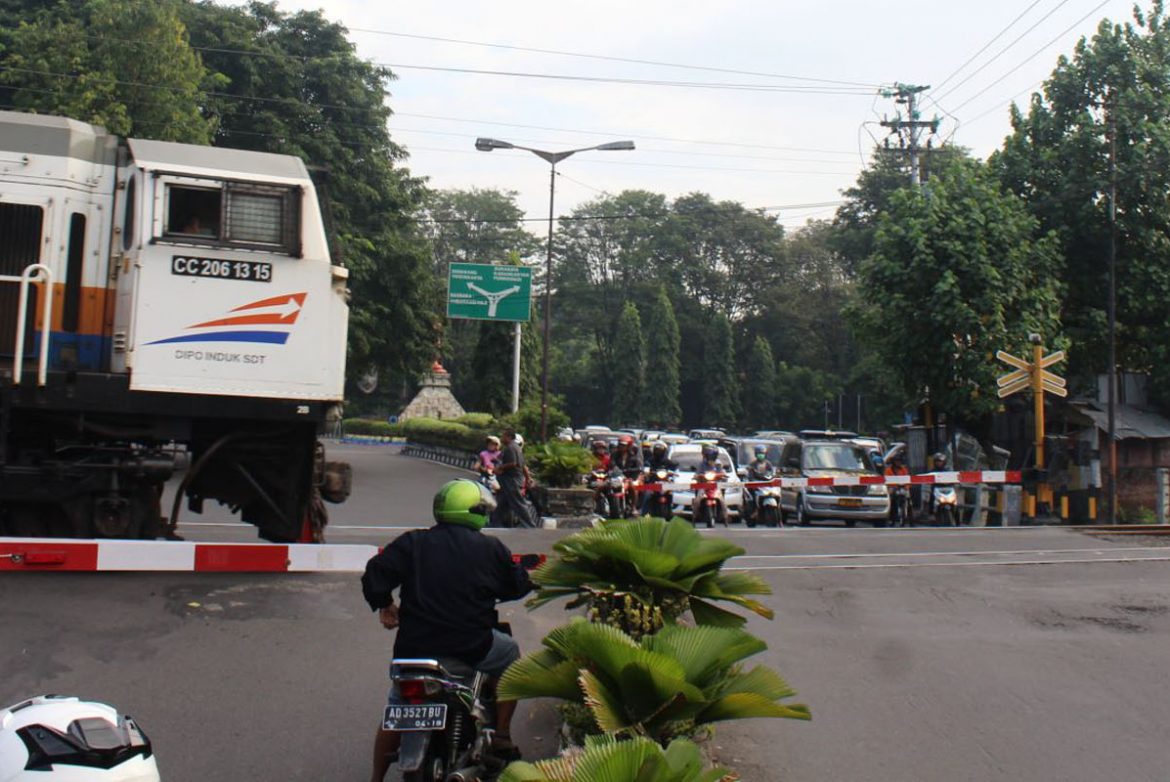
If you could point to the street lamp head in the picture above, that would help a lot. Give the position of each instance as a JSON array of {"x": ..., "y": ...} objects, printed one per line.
[
  {"x": 613, "y": 145},
  {"x": 488, "y": 144}
]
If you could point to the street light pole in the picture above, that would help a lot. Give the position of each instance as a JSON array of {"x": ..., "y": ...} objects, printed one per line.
[{"x": 552, "y": 158}]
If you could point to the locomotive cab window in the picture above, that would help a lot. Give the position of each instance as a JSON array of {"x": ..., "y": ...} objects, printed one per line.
[
  {"x": 242, "y": 215},
  {"x": 193, "y": 211}
]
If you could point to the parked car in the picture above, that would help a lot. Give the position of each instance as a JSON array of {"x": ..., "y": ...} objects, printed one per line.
[
  {"x": 688, "y": 457},
  {"x": 824, "y": 458}
]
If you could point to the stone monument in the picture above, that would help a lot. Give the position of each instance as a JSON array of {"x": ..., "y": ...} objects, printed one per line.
[{"x": 434, "y": 399}]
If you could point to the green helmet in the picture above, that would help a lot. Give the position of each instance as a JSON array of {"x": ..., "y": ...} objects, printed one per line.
[{"x": 464, "y": 502}]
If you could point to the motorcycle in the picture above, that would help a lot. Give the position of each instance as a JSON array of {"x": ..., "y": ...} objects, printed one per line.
[
  {"x": 661, "y": 501},
  {"x": 946, "y": 505},
  {"x": 900, "y": 506},
  {"x": 612, "y": 492},
  {"x": 708, "y": 505},
  {"x": 446, "y": 711},
  {"x": 490, "y": 480},
  {"x": 766, "y": 506}
]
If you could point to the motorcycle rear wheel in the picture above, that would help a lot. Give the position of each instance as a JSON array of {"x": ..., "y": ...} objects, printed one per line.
[{"x": 770, "y": 517}]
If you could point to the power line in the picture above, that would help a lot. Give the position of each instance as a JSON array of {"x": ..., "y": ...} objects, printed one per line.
[
  {"x": 987, "y": 45},
  {"x": 398, "y": 130},
  {"x": 1001, "y": 52},
  {"x": 740, "y": 213},
  {"x": 608, "y": 58},
  {"x": 1007, "y": 102},
  {"x": 663, "y": 165},
  {"x": 623, "y": 134},
  {"x": 1037, "y": 53},
  {"x": 846, "y": 88},
  {"x": 639, "y": 82}
]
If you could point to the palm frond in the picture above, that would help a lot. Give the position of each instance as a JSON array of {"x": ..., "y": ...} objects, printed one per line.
[{"x": 745, "y": 705}]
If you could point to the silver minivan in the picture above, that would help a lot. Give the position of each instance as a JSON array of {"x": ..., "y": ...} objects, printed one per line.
[{"x": 831, "y": 459}]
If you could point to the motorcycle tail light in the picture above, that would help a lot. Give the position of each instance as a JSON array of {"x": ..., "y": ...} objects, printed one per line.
[{"x": 417, "y": 690}]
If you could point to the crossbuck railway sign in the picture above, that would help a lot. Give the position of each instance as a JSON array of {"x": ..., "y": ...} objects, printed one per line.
[{"x": 480, "y": 291}]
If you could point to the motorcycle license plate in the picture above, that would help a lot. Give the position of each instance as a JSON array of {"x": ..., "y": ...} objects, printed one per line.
[
  {"x": 849, "y": 502},
  {"x": 424, "y": 716}
]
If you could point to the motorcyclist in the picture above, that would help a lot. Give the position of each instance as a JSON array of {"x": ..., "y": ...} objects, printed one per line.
[
  {"x": 627, "y": 457},
  {"x": 600, "y": 450},
  {"x": 710, "y": 463},
  {"x": 759, "y": 469},
  {"x": 449, "y": 577},
  {"x": 899, "y": 493},
  {"x": 486, "y": 460},
  {"x": 658, "y": 461},
  {"x": 938, "y": 463}
]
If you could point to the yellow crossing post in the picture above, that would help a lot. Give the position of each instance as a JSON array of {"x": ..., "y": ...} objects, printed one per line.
[{"x": 1035, "y": 376}]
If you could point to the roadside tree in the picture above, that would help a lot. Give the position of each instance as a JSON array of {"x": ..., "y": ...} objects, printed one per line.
[{"x": 956, "y": 274}]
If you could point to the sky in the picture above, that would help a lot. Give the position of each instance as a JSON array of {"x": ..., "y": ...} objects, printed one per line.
[{"x": 777, "y": 106}]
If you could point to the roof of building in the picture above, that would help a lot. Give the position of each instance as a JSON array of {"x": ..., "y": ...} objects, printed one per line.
[{"x": 1130, "y": 422}]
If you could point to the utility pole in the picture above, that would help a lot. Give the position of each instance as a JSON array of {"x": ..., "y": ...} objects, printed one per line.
[
  {"x": 909, "y": 128},
  {"x": 1111, "y": 308}
]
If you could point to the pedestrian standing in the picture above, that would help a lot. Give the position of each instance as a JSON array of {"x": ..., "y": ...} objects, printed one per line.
[{"x": 515, "y": 510}]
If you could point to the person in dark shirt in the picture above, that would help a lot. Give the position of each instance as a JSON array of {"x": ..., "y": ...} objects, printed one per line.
[
  {"x": 449, "y": 578},
  {"x": 515, "y": 509}
]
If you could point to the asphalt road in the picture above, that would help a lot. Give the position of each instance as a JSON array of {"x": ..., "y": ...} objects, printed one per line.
[{"x": 1017, "y": 654}]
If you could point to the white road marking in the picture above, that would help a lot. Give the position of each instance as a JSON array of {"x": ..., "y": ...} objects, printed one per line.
[
  {"x": 1003, "y": 563},
  {"x": 1036, "y": 552}
]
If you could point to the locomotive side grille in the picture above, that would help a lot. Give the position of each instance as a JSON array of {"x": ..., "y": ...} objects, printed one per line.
[{"x": 20, "y": 245}]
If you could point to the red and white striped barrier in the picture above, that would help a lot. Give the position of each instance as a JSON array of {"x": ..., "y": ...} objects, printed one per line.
[
  {"x": 64, "y": 554},
  {"x": 977, "y": 476}
]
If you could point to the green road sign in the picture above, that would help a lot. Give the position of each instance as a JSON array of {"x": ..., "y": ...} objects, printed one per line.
[{"x": 479, "y": 291}]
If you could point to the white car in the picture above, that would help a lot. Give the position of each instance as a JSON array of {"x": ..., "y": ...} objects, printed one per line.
[{"x": 688, "y": 457}]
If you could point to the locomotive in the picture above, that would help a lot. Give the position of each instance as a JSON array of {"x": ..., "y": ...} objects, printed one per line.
[{"x": 162, "y": 306}]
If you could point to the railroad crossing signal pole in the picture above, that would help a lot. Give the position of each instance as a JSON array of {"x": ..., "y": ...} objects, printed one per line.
[{"x": 1034, "y": 375}]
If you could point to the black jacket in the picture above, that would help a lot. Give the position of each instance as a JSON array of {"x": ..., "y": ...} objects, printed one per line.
[{"x": 451, "y": 578}]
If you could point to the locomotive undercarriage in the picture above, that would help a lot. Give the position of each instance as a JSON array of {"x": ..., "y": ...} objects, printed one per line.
[{"x": 85, "y": 457}]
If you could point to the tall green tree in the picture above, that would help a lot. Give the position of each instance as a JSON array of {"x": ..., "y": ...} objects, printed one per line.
[
  {"x": 660, "y": 398},
  {"x": 629, "y": 368},
  {"x": 956, "y": 274},
  {"x": 123, "y": 64},
  {"x": 759, "y": 387},
  {"x": 801, "y": 394},
  {"x": 296, "y": 86},
  {"x": 720, "y": 390},
  {"x": 1057, "y": 158}
]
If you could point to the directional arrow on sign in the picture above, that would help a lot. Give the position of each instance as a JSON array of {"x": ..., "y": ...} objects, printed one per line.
[
  {"x": 1014, "y": 361},
  {"x": 1008, "y": 390},
  {"x": 1056, "y": 380},
  {"x": 1052, "y": 358},
  {"x": 1054, "y": 389},
  {"x": 1012, "y": 377}
]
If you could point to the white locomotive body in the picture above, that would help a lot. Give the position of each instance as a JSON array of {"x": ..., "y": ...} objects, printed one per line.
[{"x": 154, "y": 293}]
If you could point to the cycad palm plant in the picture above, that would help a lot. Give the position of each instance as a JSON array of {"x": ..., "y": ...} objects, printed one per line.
[
  {"x": 667, "y": 685},
  {"x": 604, "y": 758},
  {"x": 639, "y": 574}
]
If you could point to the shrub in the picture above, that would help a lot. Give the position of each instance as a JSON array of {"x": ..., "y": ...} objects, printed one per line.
[
  {"x": 450, "y": 434},
  {"x": 633, "y": 571},
  {"x": 371, "y": 427},
  {"x": 526, "y": 420},
  {"x": 483, "y": 421},
  {"x": 604, "y": 758},
  {"x": 669, "y": 684},
  {"x": 559, "y": 464}
]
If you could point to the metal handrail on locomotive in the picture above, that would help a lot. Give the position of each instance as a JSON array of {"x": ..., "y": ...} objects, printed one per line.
[{"x": 160, "y": 304}]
